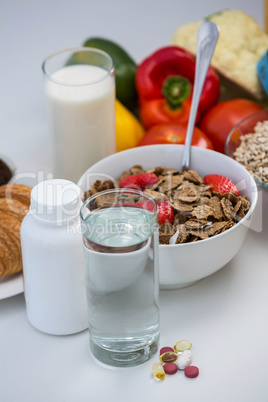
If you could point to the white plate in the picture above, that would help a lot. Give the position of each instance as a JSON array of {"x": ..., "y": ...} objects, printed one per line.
[{"x": 11, "y": 285}]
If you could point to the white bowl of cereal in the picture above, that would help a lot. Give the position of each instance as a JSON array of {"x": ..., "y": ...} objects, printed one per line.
[
  {"x": 247, "y": 143},
  {"x": 200, "y": 255}
]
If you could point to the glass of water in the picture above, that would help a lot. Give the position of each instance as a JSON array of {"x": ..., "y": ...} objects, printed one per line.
[{"x": 120, "y": 236}]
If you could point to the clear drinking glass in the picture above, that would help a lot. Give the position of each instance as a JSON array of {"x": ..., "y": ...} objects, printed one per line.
[
  {"x": 120, "y": 236},
  {"x": 80, "y": 93}
]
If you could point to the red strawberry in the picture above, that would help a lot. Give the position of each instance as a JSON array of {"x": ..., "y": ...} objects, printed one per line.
[
  {"x": 150, "y": 205},
  {"x": 220, "y": 184},
  {"x": 139, "y": 181},
  {"x": 165, "y": 210}
]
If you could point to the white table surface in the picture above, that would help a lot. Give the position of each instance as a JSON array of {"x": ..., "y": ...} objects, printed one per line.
[{"x": 225, "y": 315}]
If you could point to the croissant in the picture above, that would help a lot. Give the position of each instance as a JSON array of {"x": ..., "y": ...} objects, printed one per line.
[
  {"x": 19, "y": 192},
  {"x": 14, "y": 205}
]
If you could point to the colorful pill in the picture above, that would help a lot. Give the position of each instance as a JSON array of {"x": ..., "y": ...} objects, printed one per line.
[
  {"x": 183, "y": 345},
  {"x": 158, "y": 371},
  {"x": 169, "y": 357},
  {"x": 191, "y": 371},
  {"x": 170, "y": 368},
  {"x": 166, "y": 349},
  {"x": 185, "y": 359}
]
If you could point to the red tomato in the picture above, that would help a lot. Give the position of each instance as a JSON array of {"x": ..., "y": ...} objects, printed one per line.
[
  {"x": 221, "y": 118},
  {"x": 174, "y": 134}
]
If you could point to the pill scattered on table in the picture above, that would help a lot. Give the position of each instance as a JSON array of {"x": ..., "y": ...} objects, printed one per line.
[
  {"x": 158, "y": 371},
  {"x": 191, "y": 371},
  {"x": 185, "y": 359},
  {"x": 183, "y": 345},
  {"x": 166, "y": 349},
  {"x": 169, "y": 357},
  {"x": 170, "y": 368}
]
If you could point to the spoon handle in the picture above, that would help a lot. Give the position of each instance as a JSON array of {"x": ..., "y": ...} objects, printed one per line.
[{"x": 206, "y": 41}]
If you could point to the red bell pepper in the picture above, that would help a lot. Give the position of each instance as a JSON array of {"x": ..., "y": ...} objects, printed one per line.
[{"x": 164, "y": 82}]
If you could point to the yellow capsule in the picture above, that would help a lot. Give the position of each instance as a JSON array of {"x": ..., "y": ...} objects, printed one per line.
[
  {"x": 183, "y": 345},
  {"x": 169, "y": 357},
  {"x": 158, "y": 371}
]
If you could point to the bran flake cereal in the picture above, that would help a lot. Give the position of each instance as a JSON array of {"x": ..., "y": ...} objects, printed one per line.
[{"x": 199, "y": 212}]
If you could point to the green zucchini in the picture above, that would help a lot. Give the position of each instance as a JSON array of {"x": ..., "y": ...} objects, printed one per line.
[{"x": 125, "y": 69}]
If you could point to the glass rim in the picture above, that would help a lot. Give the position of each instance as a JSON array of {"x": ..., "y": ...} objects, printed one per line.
[
  {"x": 240, "y": 123},
  {"x": 77, "y": 49},
  {"x": 119, "y": 190},
  {"x": 261, "y": 112}
]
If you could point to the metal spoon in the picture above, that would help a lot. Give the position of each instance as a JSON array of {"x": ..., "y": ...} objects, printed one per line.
[{"x": 206, "y": 41}]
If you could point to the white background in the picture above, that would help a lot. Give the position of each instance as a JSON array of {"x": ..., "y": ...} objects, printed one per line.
[{"x": 225, "y": 315}]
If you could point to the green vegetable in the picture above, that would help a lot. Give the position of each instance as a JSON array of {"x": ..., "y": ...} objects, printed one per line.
[{"x": 125, "y": 69}]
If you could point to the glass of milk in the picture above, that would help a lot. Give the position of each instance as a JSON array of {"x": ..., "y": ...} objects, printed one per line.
[
  {"x": 80, "y": 93},
  {"x": 120, "y": 237}
]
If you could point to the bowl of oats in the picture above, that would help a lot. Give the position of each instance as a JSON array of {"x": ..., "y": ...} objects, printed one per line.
[
  {"x": 247, "y": 143},
  {"x": 204, "y": 213}
]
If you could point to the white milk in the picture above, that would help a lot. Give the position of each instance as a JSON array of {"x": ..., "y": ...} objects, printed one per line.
[{"x": 81, "y": 101}]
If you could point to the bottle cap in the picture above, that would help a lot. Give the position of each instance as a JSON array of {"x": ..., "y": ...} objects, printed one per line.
[{"x": 55, "y": 200}]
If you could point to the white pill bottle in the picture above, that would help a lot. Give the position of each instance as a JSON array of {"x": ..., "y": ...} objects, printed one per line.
[{"x": 52, "y": 256}]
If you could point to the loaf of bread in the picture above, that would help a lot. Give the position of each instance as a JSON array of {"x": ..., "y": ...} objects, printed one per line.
[
  {"x": 240, "y": 46},
  {"x": 14, "y": 205}
]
